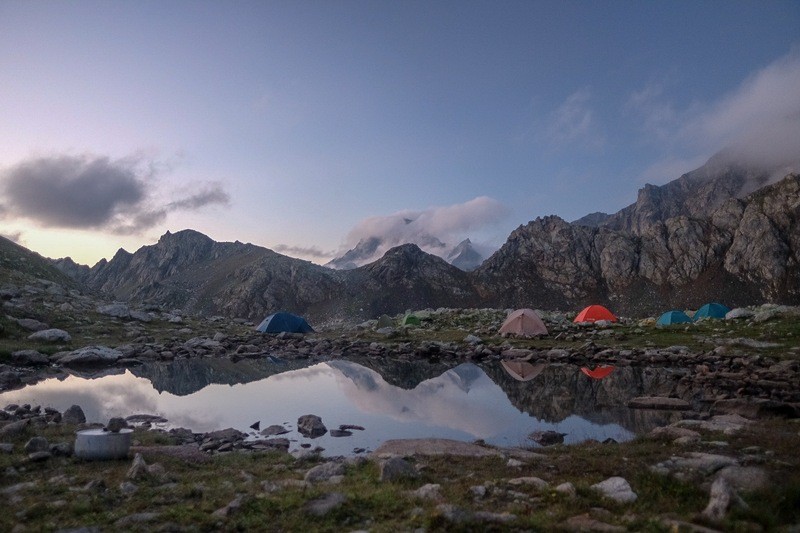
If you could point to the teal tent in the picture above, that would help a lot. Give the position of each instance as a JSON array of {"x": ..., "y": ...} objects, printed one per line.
[
  {"x": 673, "y": 317},
  {"x": 712, "y": 310},
  {"x": 284, "y": 322}
]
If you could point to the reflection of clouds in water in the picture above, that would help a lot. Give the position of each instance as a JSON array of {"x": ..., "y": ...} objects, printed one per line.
[
  {"x": 463, "y": 398},
  {"x": 99, "y": 398},
  {"x": 308, "y": 374}
]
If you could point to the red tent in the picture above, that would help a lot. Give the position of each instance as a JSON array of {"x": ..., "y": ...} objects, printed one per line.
[
  {"x": 593, "y": 313},
  {"x": 598, "y": 373}
]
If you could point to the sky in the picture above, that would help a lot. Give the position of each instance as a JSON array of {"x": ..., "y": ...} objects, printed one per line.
[{"x": 305, "y": 126}]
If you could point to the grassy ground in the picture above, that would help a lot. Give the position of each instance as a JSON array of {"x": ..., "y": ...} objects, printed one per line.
[{"x": 68, "y": 492}]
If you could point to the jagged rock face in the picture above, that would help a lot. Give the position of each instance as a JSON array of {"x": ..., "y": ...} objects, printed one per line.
[
  {"x": 695, "y": 195},
  {"x": 766, "y": 243},
  {"x": 72, "y": 269},
  {"x": 189, "y": 270},
  {"x": 592, "y": 220},
  {"x": 744, "y": 251}
]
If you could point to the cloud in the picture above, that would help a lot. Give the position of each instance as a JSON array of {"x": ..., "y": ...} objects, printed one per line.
[
  {"x": 657, "y": 117},
  {"x": 760, "y": 119},
  {"x": 573, "y": 121},
  {"x": 758, "y": 122},
  {"x": 213, "y": 194},
  {"x": 436, "y": 230},
  {"x": 72, "y": 191},
  {"x": 304, "y": 252},
  {"x": 670, "y": 168},
  {"x": 94, "y": 192}
]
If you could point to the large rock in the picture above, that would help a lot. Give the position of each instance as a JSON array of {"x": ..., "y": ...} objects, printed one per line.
[
  {"x": 617, "y": 489},
  {"x": 51, "y": 335},
  {"x": 73, "y": 415},
  {"x": 311, "y": 426},
  {"x": 31, "y": 324},
  {"x": 91, "y": 355},
  {"x": 117, "y": 310},
  {"x": 29, "y": 357}
]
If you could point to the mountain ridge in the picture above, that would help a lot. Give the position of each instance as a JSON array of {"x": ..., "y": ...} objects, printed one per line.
[{"x": 718, "y": 246}]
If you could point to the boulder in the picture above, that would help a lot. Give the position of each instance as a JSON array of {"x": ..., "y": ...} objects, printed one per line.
[
  {"x": 29, "y": 357},
  {"x": 325, "y": 472},
  {"x": 73, "y": 415},
  {"x": 117, "y": 310},
  {"x": 91, "y": 355},
  {"x": 51, "y": 335},
  {"x": 311, "y": 426},
  {"x": 617, "y": 489},
  {"x": 396, "y": 468},
  {"x": 31, "y": 324}
]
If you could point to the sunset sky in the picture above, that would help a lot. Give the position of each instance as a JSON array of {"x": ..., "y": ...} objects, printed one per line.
[{"x": 303, "y": 126}]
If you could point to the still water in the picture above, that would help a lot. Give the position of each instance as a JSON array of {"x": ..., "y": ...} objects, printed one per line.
[{"x": 500, "y": 404}]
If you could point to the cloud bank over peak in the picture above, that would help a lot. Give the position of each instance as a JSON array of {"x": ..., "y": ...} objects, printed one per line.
[
  {"x": 758, "y": 123},
  {"x": 94, "y": 192},
  {"x": 436, "y": 230}
]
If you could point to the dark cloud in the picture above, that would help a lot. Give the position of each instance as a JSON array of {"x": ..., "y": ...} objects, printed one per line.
[
  {"x": 301, "y": 251},
  {"x": 94, "y": 192},
  {"x": 73, "y": 192},
  {"x": 214, "y": 194}
]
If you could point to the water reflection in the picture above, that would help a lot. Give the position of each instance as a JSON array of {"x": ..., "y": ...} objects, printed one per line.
[
  {"x": 500, "y": 403},
  {"x": 600, "y": 372},
  {"x": 522, "y": 370}
]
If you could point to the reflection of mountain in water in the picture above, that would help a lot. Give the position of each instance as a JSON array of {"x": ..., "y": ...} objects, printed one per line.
[
  {"x": 563, "y": 390},
  {"x": 463, "y": 398},
  {"x": 186, "y": 376},
  {"x": 478, "y": 399},
  {"x": 404, "y": 374}
]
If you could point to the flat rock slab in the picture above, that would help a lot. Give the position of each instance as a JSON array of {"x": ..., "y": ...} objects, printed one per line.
[
  {"x": 659, "y": 402},
  {"x": 190, "y": 454},
  {"x": 406, "y": 447}
]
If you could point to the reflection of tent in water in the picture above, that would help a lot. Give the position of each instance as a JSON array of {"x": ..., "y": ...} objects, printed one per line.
[
  {"x": 711, "y": 310},
  {"x": 524, "y": 323},
  {"x": 522, "y": 370},
  {"x": 280, "y": 322},
  {"x": 598, "y": 373},
  {"x": 673, "y": 317}
]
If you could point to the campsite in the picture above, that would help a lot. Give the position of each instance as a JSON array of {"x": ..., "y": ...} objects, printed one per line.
[{"x": 687, "y": 381}]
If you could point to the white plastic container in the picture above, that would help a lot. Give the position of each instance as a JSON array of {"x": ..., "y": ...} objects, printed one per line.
[{"x": 96, "y": 444}]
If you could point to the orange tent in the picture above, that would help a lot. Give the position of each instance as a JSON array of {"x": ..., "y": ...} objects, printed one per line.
[
  {"x": 593, "y": 313},
  {"x": 598, "y": 373},
  {"x": 524, "y": 323},
  {"x": 522, "y": 370}
]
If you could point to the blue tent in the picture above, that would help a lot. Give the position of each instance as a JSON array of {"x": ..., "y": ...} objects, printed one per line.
[
  {"x": 280, "y": 322},
  {"x": 673, "y": 317},
  {"x": 712, "y": 310}
]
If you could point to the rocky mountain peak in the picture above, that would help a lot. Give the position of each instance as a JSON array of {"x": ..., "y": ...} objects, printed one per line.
[{"x": 465, "y": 256}]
